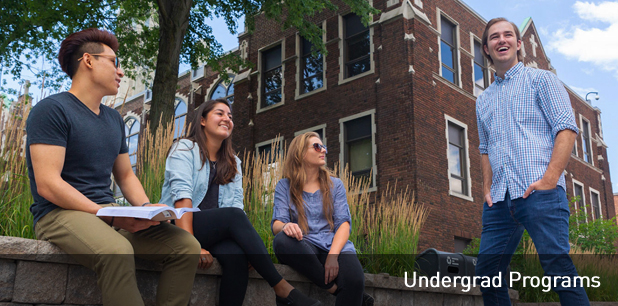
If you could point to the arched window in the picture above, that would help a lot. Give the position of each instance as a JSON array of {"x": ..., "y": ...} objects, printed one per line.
[
  {"x": 180, "y": 114},
  {"x": 131, "y": 130},
  {"x": 225, "y": 90}
]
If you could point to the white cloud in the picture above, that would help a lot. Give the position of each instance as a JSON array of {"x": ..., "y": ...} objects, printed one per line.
[
  {"x": 595, "y": 45},
  {"x": 588, "y": 71},
  {"x": 582, "y": 91},
  {"x": 605, "y": 11}
]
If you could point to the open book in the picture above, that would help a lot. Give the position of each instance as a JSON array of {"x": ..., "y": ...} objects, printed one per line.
[{"x": 155, "y": 213}]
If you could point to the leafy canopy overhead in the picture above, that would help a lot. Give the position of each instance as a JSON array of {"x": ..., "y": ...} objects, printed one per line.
[{"x": 33, "y": 29}]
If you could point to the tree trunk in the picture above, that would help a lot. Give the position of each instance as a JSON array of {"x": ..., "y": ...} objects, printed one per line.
[{"x": 173, "y": 23}]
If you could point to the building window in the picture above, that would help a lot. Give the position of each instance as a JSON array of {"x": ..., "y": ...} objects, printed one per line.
[
  {"x": 586, "y": 145},
  {"x": 224, "y": 90},
  {"x": 312, "y": 68},
  {"x": 578, "y": 193},
  {"x": 180, "y": 114},
  {"x": 269, "y": 151},
  {"x": 448, "y": 50},
  {"x": 458, "y": 158},
  {"x": 272, "y": 81},
  {"x": 481, "y": 76},
  {"x": 320, "y": 130},
  {"x": 131, "y": 129},
  {"x": 358, "y": 146},
  {"x": 357, "y": 46},
  {"x": 596, "y": 204}
]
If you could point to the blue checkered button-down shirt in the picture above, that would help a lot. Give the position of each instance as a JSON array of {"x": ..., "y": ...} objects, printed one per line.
[{"x": 518, "y": 119}]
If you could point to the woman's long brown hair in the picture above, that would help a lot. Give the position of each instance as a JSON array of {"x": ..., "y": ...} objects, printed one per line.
[
  {"x": 294, "y": 171},
  {"x": 226, "y": 163}
]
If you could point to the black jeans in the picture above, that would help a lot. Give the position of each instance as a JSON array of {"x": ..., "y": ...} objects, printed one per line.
[
  {"x": 230, "y": 237},
  {"x": 308, "y": 260}
]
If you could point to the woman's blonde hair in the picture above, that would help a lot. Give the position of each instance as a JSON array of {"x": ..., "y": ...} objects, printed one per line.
[{"x": 294, "y": 171}]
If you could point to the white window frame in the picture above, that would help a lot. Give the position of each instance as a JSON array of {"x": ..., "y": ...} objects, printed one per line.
[
  {"x": 261, "y": 51},
  {"x": 583, "y": 200},
  {"x": 342, "y": 52},
  {"x": 486, "y": 78},
  {"x": 581, "y": 123},
  {"x": 299, "y": 71},
  {"x": 442, "y": 14},
  {"x": 180, "y": 100},
  {"x": 592, "y": 190},
  {"x": 448, "y": 119},
  {"x": 374, "y": 148},
  {"x": 219, "y": 81},
  {"x": 576, "y": 145}
]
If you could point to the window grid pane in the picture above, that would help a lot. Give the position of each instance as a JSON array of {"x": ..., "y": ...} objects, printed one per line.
[
  {"x": 357, "y": 47},
  {"x": 272, "y": 79},
  {"x": 448, "y": 50},
  {"x": 586, "y": 141},
  {"x": 359, "y": 147},
  {"x": 596, "y": 207},
  {"x": 312, "y": 69},
  {"x": 456, "y": 159}
]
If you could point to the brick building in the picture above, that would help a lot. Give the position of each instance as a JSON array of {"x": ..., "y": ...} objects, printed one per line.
[{"x": 394, "y": 100}]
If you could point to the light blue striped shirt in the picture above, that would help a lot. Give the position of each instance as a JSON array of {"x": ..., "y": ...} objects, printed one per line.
[{"x": 518, "y": 119}]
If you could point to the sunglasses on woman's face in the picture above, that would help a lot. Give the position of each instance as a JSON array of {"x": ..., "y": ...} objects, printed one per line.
[{"x": 318, "y": 147}]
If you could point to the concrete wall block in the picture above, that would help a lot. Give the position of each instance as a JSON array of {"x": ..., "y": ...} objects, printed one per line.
[
  {"x": 37, "y": 282},
  {"x": 428, "y": 299},
  {"x": 18, "y": 248},
  {"x": 147, "y": 282},
  {"x": 82, "y": 286},
  {"x": 407, "y": 298},
  {"x": 468, "y": 300},
  {"x": 259, "y": 293},
  {"x": 14, "y": 304},
  {"x": 453, "y": 300},
  {"x": 478, "y": 301},
  {"x": 7, "y": 279},
  {"x": 205, "y": 290},
  {"x": 49, "y": 252},
  {"x": 384, "y": 297}
]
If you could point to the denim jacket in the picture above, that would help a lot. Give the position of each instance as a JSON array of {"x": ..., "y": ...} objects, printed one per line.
[{"x": 185, "y": 178}]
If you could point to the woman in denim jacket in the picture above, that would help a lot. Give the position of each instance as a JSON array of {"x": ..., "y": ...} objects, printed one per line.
[{"x": 203, "y": 171}]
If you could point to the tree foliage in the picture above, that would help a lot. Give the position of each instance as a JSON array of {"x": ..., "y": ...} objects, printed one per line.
[{"x": 153, "y": 35}]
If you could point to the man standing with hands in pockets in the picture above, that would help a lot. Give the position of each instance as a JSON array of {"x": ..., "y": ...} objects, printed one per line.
[{"x": 526, "y": 130}]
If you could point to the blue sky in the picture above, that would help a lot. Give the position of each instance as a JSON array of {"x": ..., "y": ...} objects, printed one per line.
[{"x": 580, "y": 38}]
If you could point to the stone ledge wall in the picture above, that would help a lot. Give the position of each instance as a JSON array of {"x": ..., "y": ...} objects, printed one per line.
[{"x": 34, "y": 272}]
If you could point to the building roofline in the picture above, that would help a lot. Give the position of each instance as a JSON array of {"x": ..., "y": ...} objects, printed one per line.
[{"x": 471, "y": 10}]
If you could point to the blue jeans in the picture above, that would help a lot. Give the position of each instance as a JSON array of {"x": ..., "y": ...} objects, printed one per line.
[{"x": 545, "y": 215}]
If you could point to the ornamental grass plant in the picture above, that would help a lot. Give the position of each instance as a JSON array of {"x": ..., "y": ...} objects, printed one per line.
[{"x": 15, "y": 196}]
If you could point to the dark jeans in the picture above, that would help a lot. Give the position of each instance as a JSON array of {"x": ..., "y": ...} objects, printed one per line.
[
  {"x": 545, "y": 215},
  {"x": 230, "y": 237},
  {"x": 308, "y": 260}
]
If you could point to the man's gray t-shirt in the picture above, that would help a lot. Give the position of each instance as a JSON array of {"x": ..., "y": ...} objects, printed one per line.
[{"x": 92, "y": 142}]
